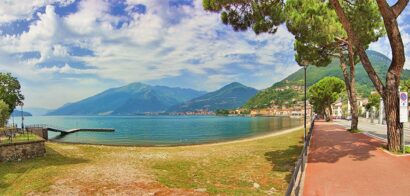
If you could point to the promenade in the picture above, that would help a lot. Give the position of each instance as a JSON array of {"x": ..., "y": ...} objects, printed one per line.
[{"x": 342, "y": 163}]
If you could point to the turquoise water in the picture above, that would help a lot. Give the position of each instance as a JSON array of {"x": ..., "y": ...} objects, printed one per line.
[{"x": 162, "y": 130}]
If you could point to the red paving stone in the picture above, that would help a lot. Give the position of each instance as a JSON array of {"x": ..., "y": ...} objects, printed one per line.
[{"x": 342, "y": 163}]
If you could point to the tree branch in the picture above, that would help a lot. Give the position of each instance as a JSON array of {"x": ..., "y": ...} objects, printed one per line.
[
  {"x": 399, "y": 7},
  {"x": 367, "y": 65}
]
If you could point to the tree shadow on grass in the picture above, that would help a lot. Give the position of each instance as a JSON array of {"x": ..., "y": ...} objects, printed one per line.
[
  {"x": 284, "y": 160},
  {"x": 17, "y": 169}
]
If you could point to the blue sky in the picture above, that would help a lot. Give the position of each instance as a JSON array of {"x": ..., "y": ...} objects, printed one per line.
[{"x": 66, "y": 50}]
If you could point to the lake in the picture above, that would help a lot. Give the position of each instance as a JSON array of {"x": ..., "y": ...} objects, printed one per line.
[{"x": 162, "y": 130}]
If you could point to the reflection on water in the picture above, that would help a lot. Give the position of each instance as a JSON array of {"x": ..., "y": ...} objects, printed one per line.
[{"x": 163, "y": 130}]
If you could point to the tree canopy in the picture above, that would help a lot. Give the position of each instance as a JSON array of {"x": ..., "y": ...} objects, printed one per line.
[
  {"x": 320, "y": 35},
  {"x": 260, "y": 15},
  {"x": 373, "y": 100},
  {"x": 324, "y": 93},
  {"x": 4, "y": 113},
  {"x": 10, "y": 91}
]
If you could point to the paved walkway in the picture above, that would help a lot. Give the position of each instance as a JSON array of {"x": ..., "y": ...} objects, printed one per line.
[{"x": 342, "y": 163}]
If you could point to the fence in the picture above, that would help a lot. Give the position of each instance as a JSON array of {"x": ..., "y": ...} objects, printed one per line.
[{"x": 295, "y": 181}]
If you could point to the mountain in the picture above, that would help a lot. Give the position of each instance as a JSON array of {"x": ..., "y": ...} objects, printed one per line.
[
  {"x": 38, "y": 111},
  {"x": 290, "y": 88},
  {"x": 17, "y": 113},
  {"x": 230, "y": 96},
  {"x": 135, "y": 98}
]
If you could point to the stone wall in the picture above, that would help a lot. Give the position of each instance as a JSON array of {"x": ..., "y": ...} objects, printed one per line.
[{"x": 22, "y": 150}]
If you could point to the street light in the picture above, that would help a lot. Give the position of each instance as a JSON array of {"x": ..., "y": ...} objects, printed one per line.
[
  {"x": 305, "y": 65},
  {"x": 22, "y": 117}
]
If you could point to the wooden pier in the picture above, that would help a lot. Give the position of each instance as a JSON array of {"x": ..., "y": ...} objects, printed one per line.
[{"x": 63, "y": 131}]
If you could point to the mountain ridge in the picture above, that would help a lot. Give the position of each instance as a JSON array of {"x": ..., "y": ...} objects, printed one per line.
[
  {"x": 131, "y": 99},
  {"x": 230, "y": 96}
]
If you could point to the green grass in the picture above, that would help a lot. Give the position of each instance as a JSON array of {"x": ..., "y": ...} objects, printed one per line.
[
  {"x": 400, "y": 152},
  {"x": 407, "y": 149},
  {"x": 355, "y": 131},
  {"x": 267, "y": 162},
  {"x": 19, "y": 178},
  {"x": 225, "y": 169},
  {"x": 20, "y": 138}
]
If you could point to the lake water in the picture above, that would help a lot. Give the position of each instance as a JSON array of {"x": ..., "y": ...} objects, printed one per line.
[{"x": 162, "y": 130}]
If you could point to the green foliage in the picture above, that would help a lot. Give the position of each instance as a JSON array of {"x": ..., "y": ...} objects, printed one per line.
[
  {"x": 265, "y": 98},
  {"x": 4, "y": 113},
  {"x": 246, "y": 111},
  {"x": 364, "y": 85},
  {"x": 315, "y": 28},
  {"x": 405, "y": 85},
  {"x": 10, "y": 91},
  {"x": 222, "y": 112},
  {"x": 260, "y": 15},
  {"x": 365, "y": 19},
  {"x": 373, "y": 100},
  {"x": 324, "y": 93},
  {"x": 318, "y": 32}
]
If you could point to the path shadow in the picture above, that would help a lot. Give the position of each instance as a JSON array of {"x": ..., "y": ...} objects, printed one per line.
[
  {"x": 285, "y": 160},
  {"x": 52, "y": 158},
  {"x": 330, "y": 146}
]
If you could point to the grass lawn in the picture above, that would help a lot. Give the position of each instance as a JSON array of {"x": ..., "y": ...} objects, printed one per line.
[
  {"x": 20, "y": 138},
  {"x": 227, "y": 169}
]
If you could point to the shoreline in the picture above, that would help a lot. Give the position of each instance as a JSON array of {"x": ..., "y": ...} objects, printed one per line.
[{"x": 239, "y": 140}]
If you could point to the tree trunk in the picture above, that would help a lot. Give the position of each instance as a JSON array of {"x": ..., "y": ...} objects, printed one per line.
[
  {"x": 389, "y": 91},
  {"x": 391, "y": 105},
  {"x": 350, "y": 88},
  {"x": 353, "y": 102},
  {"x": 328, "y": 111},
  {"x": 391, "y": 94}
]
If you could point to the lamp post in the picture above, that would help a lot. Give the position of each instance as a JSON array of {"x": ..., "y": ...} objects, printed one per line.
[
  {"x": 305, "y": 65},
  {"x": 22, "y": 117}
]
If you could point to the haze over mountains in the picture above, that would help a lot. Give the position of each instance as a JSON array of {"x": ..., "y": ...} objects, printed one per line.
[{"x": 139, "y": 98}]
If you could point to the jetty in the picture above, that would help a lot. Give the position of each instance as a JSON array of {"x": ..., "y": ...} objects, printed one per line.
[{"x": 63, "y": 131}]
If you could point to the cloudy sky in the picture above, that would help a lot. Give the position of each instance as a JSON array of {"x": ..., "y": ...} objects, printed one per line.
[{"x": 65, "y": 50}]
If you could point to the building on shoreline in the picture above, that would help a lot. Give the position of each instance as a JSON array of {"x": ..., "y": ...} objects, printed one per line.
[
  {"x": 295, "y": 110},
  {"x": 341, "y": 108}
]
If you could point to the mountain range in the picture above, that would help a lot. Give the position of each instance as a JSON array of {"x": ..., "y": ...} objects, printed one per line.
[
  {"x": 280, "y": 93},
  {"x": 231, "y": 96},
  {"x": 135, "y": 98},
  {"x": 139, "y": 98}
]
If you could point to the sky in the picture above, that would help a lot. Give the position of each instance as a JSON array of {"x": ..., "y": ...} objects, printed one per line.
[{"x": 66, "y": 50}]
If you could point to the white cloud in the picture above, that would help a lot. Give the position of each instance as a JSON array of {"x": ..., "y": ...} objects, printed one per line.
[
  {"x": 161, "y": 43},
  {"x": 66, "y": 69},
  {"x": 24, "y": 9}
]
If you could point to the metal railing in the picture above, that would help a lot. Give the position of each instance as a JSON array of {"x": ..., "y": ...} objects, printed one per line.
[
  {"x": 296, "y": 180},
  {"x": 11, "y": 132}
]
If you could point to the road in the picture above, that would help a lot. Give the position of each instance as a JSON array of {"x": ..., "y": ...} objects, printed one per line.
[{"x": 375, "y": 129}]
